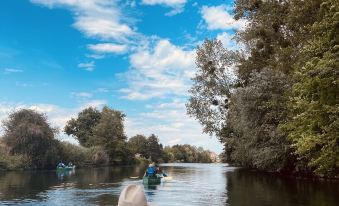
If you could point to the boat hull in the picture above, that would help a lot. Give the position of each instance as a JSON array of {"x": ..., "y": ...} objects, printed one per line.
[
  {"x": 151, "y": 180},
  {"x": 62, "y": 169}
]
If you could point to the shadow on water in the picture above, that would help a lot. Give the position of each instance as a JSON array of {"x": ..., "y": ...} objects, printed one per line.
[{"x": 248, "y": 188}]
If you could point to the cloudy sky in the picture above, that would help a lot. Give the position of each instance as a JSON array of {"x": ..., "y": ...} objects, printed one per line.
[{"x": 137, "y": 56}]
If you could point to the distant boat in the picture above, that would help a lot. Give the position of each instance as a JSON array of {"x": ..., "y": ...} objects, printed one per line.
[{"x": 66, "y": 168}]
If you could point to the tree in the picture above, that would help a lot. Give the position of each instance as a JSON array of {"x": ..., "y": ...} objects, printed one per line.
[
  {"x": 154, "y": 149},
  {"x": 252, "y": 110},
  {"x": 28, "y": 133},
  {"x": 187, "y": 153},
  {"x": 82, "y": 127},
  {"x": 314, "y": 108},
  {"x": 211, "y": 85},
  {"x": 138, "y": 145},
  {"x": 251, "y": 135},
  {"x": 109, "y": 132}
]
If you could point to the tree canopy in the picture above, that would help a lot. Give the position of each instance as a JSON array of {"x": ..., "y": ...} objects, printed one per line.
[
  {"x": 28, "y": 133},
  {"x": 273, "y": 102}
]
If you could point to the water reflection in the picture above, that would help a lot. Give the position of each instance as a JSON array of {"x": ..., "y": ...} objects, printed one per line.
[
  {"x": 25, "y": 185},
  {"x": 191, "y": 185},
  {"x": 65, "y": 173},
  {"x": 248, "y": 188}
]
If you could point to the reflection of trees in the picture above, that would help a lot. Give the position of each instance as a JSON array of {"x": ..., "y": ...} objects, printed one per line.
[
  {"x": 28, "y": 185},
  {"x": 22, "y": 185},
  {"x": 109, "y": 175},
  {"x": 255, "y": 189}
]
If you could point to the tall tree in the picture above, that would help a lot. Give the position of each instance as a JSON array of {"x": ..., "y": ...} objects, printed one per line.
[
  {"x": 138, "y": 145},
  {"x": 109, "y": 132},
  {"x": 82, "y": 126},
  {"x": 314, "y": 105},
  {"x": 28, "y": 133},
  {"x": 155, "y": 149},
  {"x": 248, "y": 109}
]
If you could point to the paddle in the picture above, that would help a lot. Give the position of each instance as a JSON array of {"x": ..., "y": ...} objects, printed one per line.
[{"x": 167, "y": 178}]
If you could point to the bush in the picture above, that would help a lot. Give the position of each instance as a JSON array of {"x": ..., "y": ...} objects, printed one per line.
[
  {"x": 78, "y": 155},
  {"x": 12, "y": 162},
  {"x": 28, "y": 133},
  {"x": 99, "y": 156}
]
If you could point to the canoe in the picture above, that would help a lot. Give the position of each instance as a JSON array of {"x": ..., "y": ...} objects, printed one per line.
[
  {"x": 151, "y": 180},
  {"x": 67, "y": 168}
]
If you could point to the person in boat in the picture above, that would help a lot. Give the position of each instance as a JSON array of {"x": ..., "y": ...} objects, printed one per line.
[
  {"x": 70, "y": 164},
  {"x": 61, "y": 164},
  {"x": 151, "y": 171},
  {"x": 160, "y": 172}
]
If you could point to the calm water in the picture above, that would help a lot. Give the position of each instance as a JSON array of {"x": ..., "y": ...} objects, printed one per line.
[{"x": 192, "y": 184}]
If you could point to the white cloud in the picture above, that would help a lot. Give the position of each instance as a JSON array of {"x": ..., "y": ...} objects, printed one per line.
[
  {"x": 96, "y": 103},
  {"x": 95, "y": 18},
  {"x": 172, "y": 125},
  {"x": 108, "y": 48},
  {"x": 101, "y": 28},
  {"x": 228, "y": 41},
  {"x": 89, "y": 66},
  {"x": 101, "y": 90},
  {"x": 158, "y": 71},
  {"x": 219, "y": 17},
  {"x": 176, "y": 5},
  {"x": 81, "y": 94},
  {"x": 11, "y": 70}
]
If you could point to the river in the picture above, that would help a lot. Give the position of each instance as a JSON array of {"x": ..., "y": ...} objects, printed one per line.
[{"x": 191, "y": 184}]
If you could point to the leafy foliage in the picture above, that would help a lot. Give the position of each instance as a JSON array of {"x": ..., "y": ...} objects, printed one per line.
[
  {"x": 154, "y": 148},
  {"x": 138, "y": 145},
  {"x": 287, "y": 45},
  {"x": 149, "y": 148},
  {"x": 28, "y": 133},
  {"x": 82, "y": 127},
  {"x": 187, "y": 153},
  {"x": 313, "y": 104}
]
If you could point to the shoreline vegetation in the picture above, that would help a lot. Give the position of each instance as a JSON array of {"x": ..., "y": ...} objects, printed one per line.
[
  {"x": 29, "y": 143},
  {"x": 272, "y": 101}
]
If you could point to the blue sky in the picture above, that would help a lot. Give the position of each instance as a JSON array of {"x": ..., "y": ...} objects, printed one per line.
[{"x": 60, "y": 56}]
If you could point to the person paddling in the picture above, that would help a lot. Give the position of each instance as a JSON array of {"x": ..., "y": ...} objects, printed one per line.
[
  {"x": 151, "y": 170},
  {"x": 61, "y": 164}
]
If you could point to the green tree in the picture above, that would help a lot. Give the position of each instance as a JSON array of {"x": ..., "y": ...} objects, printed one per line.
[
  {"x": 187, "y": 153},
  {"x": 109, "y": 132},
  {"x": 28, "y": 133},
  {"x": 138, "y": 145},
  {"x": 155, "y": 150},
  {"x": 82, "y": 126},
  {"x": 314, "y": 108},
  {"x": 211, "y": 85},
  {"x": 247, "y": 108},
  {"x": 251, "y": 135}
]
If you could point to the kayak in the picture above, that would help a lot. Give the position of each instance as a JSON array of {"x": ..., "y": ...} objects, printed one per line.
[
  {"x": 61, "y": 169},
  {"x": 151, "y": 180}
]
